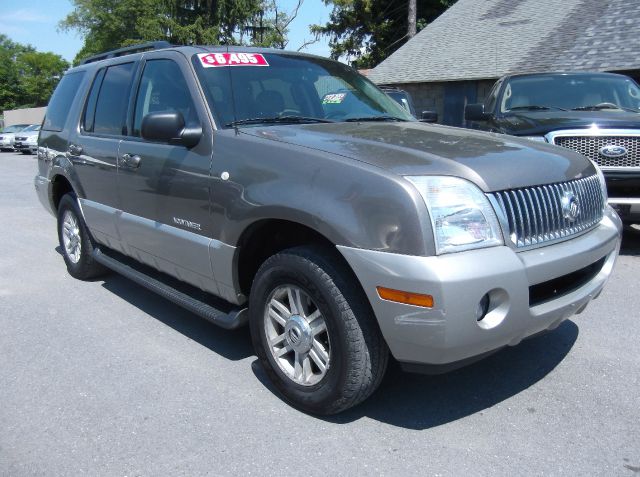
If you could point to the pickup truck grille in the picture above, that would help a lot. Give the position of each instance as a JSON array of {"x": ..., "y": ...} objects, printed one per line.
[
  {"x": 536, "y": 215},
  {"x": 590, "y": 146}
]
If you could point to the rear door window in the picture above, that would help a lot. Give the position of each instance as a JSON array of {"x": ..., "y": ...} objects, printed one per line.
[
  {"x": 113, "y": 99},
  {"x": 61, "y": 100}
]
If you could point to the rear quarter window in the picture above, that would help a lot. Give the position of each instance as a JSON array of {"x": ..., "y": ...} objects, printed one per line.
[{"x": 61, "y": 100}]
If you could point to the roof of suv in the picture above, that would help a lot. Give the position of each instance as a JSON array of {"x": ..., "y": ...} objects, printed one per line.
[{"x": 137, "y": 50}]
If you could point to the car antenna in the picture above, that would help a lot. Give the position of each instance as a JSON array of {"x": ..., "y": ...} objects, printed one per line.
[{"x": 233, "y": 100}]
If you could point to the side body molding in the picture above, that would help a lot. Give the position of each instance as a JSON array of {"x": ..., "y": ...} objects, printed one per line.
[{"x": 184, "y": 255}]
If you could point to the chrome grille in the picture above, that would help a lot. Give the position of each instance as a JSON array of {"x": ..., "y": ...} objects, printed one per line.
[
  {"x": 534, "y": 215},
  {"x": 590, "y": 146}
]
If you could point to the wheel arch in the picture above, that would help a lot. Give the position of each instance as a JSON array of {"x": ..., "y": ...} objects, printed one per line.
[
  {"x": 60, "y": 185},
  {"x": 268, "y": 236}
]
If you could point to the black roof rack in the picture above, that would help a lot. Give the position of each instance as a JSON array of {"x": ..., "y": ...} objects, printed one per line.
[{"x": 127, "y": 50}]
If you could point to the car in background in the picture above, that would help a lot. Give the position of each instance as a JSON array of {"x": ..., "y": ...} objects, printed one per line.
[
  {"x": 26, "y": 141},
  {"x": 595, "y": 114},
  {"x": 404, "y": 99},
  {"x": 7, "y": 137}
]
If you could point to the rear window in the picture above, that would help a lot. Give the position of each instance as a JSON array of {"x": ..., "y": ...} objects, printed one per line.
[{"x": 61, "y": 100}]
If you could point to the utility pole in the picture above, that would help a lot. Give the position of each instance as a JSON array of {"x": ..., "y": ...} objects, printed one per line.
[{"x": 411, "y": 31}]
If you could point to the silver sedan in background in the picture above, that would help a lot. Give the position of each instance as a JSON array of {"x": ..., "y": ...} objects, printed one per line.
[
  {"x": 26, "y": 141},
  {"x": 8, "y": 135}
]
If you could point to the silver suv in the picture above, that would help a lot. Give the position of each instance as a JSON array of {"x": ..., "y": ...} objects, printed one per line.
[{"x": 286, "y": 191}]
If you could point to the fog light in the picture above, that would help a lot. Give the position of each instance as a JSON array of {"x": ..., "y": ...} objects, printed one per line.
[{"x": 483, "y": 308}]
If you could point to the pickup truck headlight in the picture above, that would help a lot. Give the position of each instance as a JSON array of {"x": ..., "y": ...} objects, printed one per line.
[{"x": 461, "y": 216}]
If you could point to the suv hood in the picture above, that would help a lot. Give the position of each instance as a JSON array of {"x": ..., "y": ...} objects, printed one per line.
[
  {"x": 538, "y": 123},
  {"x": 492, "y": 161}
]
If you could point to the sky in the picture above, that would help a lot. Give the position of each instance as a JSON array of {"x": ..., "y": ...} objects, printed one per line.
[{"x": 35, "y": 23}]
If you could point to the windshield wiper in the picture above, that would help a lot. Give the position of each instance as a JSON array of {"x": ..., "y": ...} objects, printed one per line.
[
  {"x": 599, "y": 107},
  {"x": 535, "y": 107},
  {"x": 279, "y": 120},
  {"x": 375, "y": 118}
]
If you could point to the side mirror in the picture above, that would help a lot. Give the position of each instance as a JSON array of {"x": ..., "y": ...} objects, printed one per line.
[
  {"x": 475, "y": 112},
  {"x": 429, "y": 117},
  {"x": 169, "y": 127}
]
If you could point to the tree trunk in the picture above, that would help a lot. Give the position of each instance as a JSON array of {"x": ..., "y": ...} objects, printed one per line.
[{"x": 411, "y": 31}]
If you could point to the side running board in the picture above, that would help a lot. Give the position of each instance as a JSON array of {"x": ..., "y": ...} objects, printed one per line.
[{"x": 225, "y": 316}]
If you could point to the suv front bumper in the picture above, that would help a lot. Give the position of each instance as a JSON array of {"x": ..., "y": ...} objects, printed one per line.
[{"x": 449, "y": 332}]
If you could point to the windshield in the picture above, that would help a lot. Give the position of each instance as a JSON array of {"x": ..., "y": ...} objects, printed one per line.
[
  {"x": 402, "y": 98},
  {"x": 571, "y": 92},
  {"x": 33, "y": 127},
  {"x": 282, "y": 88},
  {"x": 14, "y": 128}
]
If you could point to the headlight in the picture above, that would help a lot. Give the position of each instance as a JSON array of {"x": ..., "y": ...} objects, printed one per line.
[
  {"x": 603, "y": 184},
  {"x": 461, "y": 216},
  {"x": 536, "y": 138}
]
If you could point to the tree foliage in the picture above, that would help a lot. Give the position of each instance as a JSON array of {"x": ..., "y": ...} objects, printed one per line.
[
  {"x": 109, "y": 24},
  {"x": 368, "y": 31},
  {"x": 27, "y": 77}
]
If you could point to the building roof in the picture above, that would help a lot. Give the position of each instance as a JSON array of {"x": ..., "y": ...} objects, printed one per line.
[{"x": 482, "y": 39}]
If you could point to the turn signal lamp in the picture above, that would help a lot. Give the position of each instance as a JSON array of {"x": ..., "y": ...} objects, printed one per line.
[{"x": 408, "y": 298}]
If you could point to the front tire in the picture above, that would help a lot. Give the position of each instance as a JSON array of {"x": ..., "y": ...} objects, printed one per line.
[
  {"x": 314, "y": 331},
  {"x": 75, "y": 241}
]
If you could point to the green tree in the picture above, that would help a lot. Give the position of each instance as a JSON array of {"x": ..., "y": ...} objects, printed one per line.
[
  {"x": 39, "y": 74},
  {"x": 110, "y": 24},
  {"x": 10, "y": 94},
  {"x": 27, "y": 77},
  {"x": 368, "y": 31}
]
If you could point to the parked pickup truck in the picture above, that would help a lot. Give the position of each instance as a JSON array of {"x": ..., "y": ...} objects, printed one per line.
[
  {"x": 286, "y": 191},
  {"x": 595, "y": 114}
]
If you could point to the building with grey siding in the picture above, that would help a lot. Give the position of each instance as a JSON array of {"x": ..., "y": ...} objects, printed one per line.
[{"x": 456, "y": 59}]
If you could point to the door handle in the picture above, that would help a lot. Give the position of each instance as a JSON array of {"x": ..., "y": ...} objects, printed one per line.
[
  {"x": 74, "y": 150},
  {"x": 131, "y": 160}
]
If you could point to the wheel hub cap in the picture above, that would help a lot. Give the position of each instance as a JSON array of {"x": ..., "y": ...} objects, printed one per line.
[
  {"x": 71, "y": 237},
  {"x": 297, "y": 335}
]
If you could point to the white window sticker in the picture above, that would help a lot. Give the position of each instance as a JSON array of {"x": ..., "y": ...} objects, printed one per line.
[{"x": 335, "y": 98}]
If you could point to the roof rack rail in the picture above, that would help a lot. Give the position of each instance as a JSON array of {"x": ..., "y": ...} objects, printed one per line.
[{"x": 128, "y": 50}]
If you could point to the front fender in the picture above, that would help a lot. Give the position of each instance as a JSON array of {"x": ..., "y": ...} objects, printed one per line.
[{"x": 349, "y": 202}]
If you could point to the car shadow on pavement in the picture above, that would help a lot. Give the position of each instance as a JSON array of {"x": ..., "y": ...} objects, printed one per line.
[
  {"x": 418, "y": 402},
  {"x": 631, "y": 241},
  {"x": 233, "y": 345}
]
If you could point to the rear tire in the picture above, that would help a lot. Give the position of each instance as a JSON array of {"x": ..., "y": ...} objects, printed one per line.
[
  {"x": 305, "y": 309},
  {"x": 75, "y": 241}
]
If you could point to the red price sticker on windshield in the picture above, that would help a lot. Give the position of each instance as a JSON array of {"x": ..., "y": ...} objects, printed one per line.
[{"x": 214, "y": 60}]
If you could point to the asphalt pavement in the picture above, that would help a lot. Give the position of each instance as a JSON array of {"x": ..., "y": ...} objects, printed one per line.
[{"x": 105, "y": 378}]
